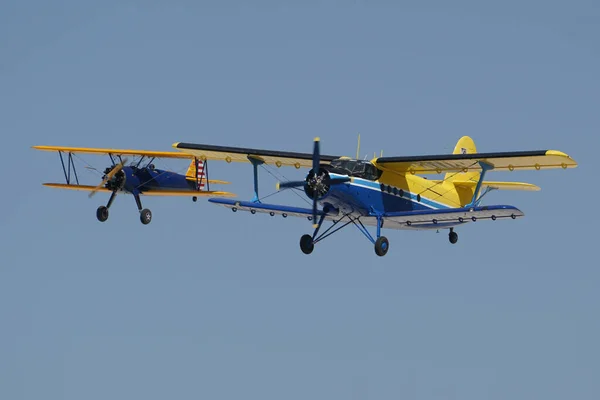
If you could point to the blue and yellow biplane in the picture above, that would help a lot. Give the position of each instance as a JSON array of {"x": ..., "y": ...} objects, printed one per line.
[
  {"x": 138, "y": 177},
  {"x": 387, "y": 192}
]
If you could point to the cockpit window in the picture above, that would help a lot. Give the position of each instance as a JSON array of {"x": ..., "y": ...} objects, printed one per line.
[{"x": 359, "y": 168}]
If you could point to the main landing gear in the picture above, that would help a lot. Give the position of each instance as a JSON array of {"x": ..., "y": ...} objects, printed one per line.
[
  {"x": 381, "y": 244},
  {"x": 145, "y": 214}
]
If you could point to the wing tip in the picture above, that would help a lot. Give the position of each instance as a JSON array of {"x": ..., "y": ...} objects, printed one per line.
[{"x": 557, "y": 153}]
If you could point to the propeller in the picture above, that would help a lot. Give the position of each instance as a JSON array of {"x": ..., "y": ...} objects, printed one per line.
[
  {"x": 317, "y": 182},
  {"x": 108, "y": 177}
]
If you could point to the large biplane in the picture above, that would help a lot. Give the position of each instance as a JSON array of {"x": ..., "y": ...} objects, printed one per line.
[
  {"x": 138, "y": 177},
  {"x": 387, "y": 192}
]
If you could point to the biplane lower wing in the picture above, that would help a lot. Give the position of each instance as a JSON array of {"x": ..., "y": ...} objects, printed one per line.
[
  {"x": 165, "y": 193},
  {"x": 424, "y": 219},
  {"x": 272, "y": 209},
  {"x": 448, "y": 217}
]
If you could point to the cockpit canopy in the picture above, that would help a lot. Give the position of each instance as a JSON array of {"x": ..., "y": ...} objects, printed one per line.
[{"x": 358, "y": 168}]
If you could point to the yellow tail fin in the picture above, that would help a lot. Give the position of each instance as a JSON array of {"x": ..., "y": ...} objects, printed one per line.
[{"x": 465, "y": 145}]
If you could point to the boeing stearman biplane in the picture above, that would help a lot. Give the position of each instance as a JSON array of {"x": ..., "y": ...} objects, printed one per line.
[
  {"x": 140, "y": 177},
  {"x": 388, "y": 192}
]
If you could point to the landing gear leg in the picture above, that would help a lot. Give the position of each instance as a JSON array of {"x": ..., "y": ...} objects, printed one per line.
[
  {"x": 102, "y": 211},
  {"x": 381, "y": 244},
  {"x": 307, "y": 242},
  {"x": 145, "y": 214},
  {"x": 453, "y": 236}
]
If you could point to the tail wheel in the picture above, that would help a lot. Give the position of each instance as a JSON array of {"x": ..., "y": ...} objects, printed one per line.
[
  {"x": 306, "y": 244},
  {"x": 382, "y": 246},
  {"x": 145, "y": 216},
  {"x": 453, "y": 237},
  {"x": 102, "y": 213}
]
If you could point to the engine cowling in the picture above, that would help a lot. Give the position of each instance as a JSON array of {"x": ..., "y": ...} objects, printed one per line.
[
  {"x": 317, "y": 184},
  {"x": 117, "y": 182}
]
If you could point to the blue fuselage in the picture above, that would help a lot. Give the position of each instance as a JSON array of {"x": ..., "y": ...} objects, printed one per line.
[
  {"x": 140, "y": 180},
  {"x": 363, "y": 197}
]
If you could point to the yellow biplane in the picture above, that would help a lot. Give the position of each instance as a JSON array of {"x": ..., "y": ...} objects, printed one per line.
[
  {"x": 388, "y": 192},
  {"x": 138, "y": 177}
]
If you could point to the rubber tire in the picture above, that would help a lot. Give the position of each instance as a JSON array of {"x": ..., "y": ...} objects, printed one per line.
[
  {"x": 145, "y": 216},
  {"x": 102, "y": 213},
  {"x": 306, "y": 244},
  {"x": 453, "y": 237},
  {"x": 382, "y": 245}
]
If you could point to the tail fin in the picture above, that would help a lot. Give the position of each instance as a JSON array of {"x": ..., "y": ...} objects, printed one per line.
[
  {"x": 195, "y": 172},
  {"x": 465, "y": 145}
]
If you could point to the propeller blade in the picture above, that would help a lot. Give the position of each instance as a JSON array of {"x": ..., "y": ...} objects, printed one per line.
[
  {"x": 316, "y": 162},
  {"x": 290, "y": 184},
  {"x": 316, "y": 156},
  {"x": 108, "y": 177},
  {"x": 314, "y": 213}
]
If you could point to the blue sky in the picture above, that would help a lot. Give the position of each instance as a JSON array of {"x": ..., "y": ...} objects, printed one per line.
[{"x": 205, "y": 303}]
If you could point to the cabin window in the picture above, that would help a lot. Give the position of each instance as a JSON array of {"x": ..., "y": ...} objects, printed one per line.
[
  {"x": 396, "y": 191},
  {"x": 359, "y": 168},
  {"x": 401, "y": 193},
  {"x": 419, "y": 198}
]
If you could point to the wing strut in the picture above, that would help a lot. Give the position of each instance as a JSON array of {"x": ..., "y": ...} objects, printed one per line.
[
  {"x": 255, "y": 163},
  {"x": 67, "y": 170},
  {"x": 484, "y": 168}
]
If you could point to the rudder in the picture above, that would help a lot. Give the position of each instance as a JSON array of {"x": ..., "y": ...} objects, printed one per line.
[{"x": 195, "y": 172}]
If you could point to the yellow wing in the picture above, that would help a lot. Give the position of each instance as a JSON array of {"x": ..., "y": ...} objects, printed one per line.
[
  {"x": 240, "y": 154},
  {"x": 179, "y": 193},
  {"x": 506, "y": 161},
  {"x": 122, "y": 152}
]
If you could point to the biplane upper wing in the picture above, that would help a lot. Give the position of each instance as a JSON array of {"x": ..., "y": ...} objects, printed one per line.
[
  {"x": 122, "y": 152},
  {"x": 179, "y": 193},
  {"x": 505, "y": 161},
  {"x": 240, "y": 154}
]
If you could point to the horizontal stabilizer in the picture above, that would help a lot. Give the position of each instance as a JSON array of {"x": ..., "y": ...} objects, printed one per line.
[{"x": 495, "y": 185}]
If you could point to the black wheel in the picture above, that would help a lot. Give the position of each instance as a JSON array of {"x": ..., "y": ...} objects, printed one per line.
[
  {"x": 272, "y": 214},
  {"x": 145, "y": 216},
  {"x": 194, "y": 199},
  {"x": 453, "y": 237},
  {"x": 493, "y": 217},
  {"x": 381, "y": 246},
  {"x": 233, "y": 209},
  {"x": 306, "y": 244},
  {"x": 102, "y": 213},
  {"x": 253, "y": 211}
]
